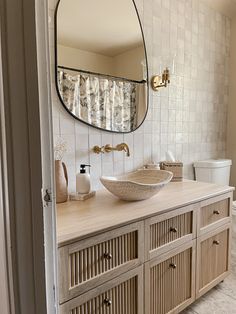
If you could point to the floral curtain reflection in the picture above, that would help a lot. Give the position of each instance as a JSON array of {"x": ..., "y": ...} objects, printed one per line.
[{"x": 105, "y": 102}]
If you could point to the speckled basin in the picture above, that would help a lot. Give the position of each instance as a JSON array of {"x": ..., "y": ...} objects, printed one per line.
[{"x": 138, "y": 185}]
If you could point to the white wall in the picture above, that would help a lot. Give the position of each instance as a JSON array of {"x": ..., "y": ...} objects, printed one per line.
[
  {"x": 85, "y": 60},
  {"x": 127, "y": 64},
  {"x": 188, "y": 118},
  {"x": 231, "y": 136}
]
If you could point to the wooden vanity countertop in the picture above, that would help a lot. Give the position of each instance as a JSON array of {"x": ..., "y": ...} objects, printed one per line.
[{"x": 77, "y": 220}]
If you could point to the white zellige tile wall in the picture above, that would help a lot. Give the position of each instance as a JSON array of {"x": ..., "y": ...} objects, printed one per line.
[{"x": 189, "y": 118}]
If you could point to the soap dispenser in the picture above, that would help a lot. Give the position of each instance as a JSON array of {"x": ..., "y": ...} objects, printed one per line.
[{"x": 83, "y": 184}]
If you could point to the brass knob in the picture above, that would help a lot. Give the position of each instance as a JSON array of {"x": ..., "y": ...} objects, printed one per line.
[
  {"x": 216, "y": 242},
  {"x": 173, "y": 229},
  {"x": 172, "y": 265},
  {"x": 107, "y": 302},
  {"x": 216, "y": 212},
  {"x": 107, "y": 256}
]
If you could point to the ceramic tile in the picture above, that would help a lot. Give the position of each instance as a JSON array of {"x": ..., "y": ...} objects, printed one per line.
[
  {"x": 67, "y": 124},
  {"x": 107, "y": 169},
  {"x": 215, "y": 302},
  {"x": 82, "y": 141},
  {"x": 220, "y": 300},
  {"x": 56, "y": 125},
  {"x": 228, "y": 286},
  {"x": 188, "y": 311}
]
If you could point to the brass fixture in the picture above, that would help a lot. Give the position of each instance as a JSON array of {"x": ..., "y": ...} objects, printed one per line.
[
  {"x": 108, "y": 148},
  {"x": 98, "y": 150},
  {"x": 120, "y": 147},
  {"x": 159, "y": 81}
]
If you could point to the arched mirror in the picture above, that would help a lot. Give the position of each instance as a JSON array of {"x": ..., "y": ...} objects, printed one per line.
[{"x": 101, "y": 63}]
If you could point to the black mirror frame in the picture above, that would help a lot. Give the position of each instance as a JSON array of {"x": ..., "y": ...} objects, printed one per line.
[{"x": 56, "y": 78}]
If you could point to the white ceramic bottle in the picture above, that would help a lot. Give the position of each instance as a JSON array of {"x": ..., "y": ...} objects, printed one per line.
[{"x": 83, "y": 184}]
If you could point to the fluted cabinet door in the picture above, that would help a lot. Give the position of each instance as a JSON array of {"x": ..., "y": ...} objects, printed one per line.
[
  {"x": 170, "y": 281},
  {"x": 123, "y": 295},
  {"x": 93, "y": 261},
  {"x": 213, "y": 259}
]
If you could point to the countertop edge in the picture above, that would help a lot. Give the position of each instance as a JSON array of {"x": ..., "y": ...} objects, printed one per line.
[{"x": 73, "y": 239}]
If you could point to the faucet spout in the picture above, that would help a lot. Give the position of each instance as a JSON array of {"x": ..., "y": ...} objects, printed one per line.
[{"x": 123, "y": 147}]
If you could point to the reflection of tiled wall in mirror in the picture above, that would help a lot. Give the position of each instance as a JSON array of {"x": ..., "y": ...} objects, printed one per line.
[{"x": 187, "y": 118}]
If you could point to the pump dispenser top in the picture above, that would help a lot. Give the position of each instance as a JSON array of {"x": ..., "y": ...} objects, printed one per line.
[
  {"x": 83, "y": 168},
  {"x": 83, "y": 184}
]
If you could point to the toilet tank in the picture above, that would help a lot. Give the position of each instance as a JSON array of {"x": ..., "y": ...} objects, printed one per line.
[{"x": 213, "y": 171}]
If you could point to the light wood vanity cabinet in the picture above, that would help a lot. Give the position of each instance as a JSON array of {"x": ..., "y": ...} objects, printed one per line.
[{"x": 157, "y": 265}]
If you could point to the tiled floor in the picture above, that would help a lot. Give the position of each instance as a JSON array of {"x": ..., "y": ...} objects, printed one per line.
[{"x": 220, "y": 300}]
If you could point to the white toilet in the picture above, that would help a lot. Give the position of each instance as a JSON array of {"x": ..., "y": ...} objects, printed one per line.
[
  {"x": 217, "y": 171},
  {"x": 213, "y": 170}
]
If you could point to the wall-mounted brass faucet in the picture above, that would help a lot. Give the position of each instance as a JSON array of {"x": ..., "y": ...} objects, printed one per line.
[{"x": 108, "y": 148}]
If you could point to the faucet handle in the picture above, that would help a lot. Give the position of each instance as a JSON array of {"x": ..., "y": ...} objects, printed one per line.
[{"x": 98, "y": 150}]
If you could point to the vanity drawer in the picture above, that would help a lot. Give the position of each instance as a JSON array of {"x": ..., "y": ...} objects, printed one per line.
[
  {"x": 213, "y": 259},
  {"x": 214, "y": 212},
  {"x": 165, "y": 232},
  {"x": 170, "y": 281},
  {"x": 92, "y": 261},
  {"x": 123, "y": 295}
]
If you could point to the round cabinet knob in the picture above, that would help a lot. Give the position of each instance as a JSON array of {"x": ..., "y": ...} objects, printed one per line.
[
  {"x": 172, "y": 265},
  {"x": 107, "y": 256},
  {"x": 107, "y": 302},
  {"x": 172, "y": 229},
  {"x": 216, "y": 212},
  {"x": 216, "y": 242}
]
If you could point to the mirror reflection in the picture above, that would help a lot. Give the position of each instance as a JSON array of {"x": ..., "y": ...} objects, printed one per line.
[{"x": 101, "y": 63}]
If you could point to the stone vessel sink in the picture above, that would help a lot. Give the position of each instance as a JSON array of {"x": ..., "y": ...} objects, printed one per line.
[{"x": 138, "y": 185}]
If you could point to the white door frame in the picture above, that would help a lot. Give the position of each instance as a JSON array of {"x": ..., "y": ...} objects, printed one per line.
[
  {"x": 26, "y": 152},
  {"x": 45, "y": 105}
]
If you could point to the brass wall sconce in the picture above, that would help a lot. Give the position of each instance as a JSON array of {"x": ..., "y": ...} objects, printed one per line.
[
  {"x": 159, "y": 81},
  {"x": 108, "y": 148}
]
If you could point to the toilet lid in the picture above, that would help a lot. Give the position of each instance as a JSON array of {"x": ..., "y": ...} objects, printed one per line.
[{"x": 213, "y": 163}]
